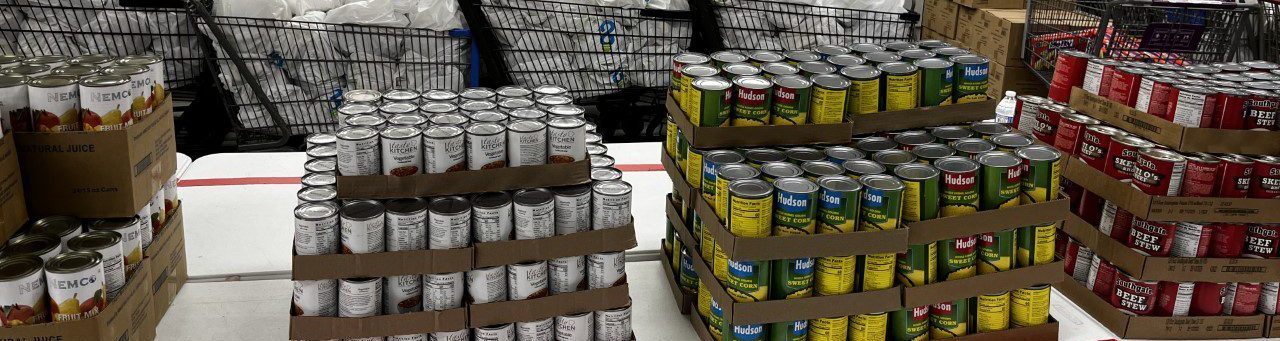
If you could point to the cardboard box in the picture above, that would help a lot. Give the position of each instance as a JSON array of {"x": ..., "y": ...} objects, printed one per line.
[
  {"x": 795, "y": 309},
  {"x": 98, "y": 174},
  {"x": 982, "y": 284},
  {"x": 992, "y": 3},
  {"x": 679, "y": 184},
  {"x": 1047, "y": 331},
  {"x": 489, "y": 180},
  {"x": 324, "y": 328},
  {"x": 969, "y": 26},
  {"x": 488, "y": 314},
  {"x": 1274, "y": 330},
  {"x": 128, "y": 317},
  {"x": 1155, "y": 327},
  {"x": 575, "y": 244},
  {"x": 1158, "y": 208},
  {"x": 13, "y": 202},
  {"x": 769, "y": 135},
  {"x": 1004, "y": 33},
  {"x": 923, "y": 117},
  {"x": 382, "y": 264},
  {"x": 1172, "y": 135},
  {"x": 940, "y": 17},
  {"x": 1016, "y": 78},
  {"x": 1178, "y": 269},
  {"x": 988, "y": 221},
  {"x": 684, "y": 301},
  {"x": 168, "y": 255}
]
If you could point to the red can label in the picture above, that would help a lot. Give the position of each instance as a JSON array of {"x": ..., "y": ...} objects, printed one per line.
[
  {"x": 1093, "y": 148},
  {"x": 1067, "y": 136},
  {"x": 1191, "y": 109},
  {"x": 1152, "y": 238},
  {"x": 1090, "y": 208},
  {"x": 1207, "y": 299},
  {"x": 1077, "y": 259},
  {"x": 1120, "y": 161},
  {"x": 1097, "y": 78},
  {"x": 1067, "y": 73},
  {"x": 1046, "y": 125},
  {"x": 1200, "y": 179},
  {"x": 1228, "y": 113},
  {"x": 1241, "y": 299},
  {"x": 1235, "y": 178},
  {"x": 1260, "y": 241},
  {"x": 1124, "y": 88},
  {"x": 1158, "y": 177},
  {"x": 1175, "y": 298},
  {"x": 1115, "y": 221},
  {"x": 1154, "y": 97},
  {"x": 1228, "y": 240},
  {"x": 1102, "y": 277},
  {"x": 1266, "y": 182},
  {"x": 1261, "y": 112},
  {"x": 1191, "y": 240},
  {"x": 1134, "y": 296}
]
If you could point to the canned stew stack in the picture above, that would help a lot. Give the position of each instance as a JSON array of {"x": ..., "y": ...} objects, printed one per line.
[
  {"x": 63, "y": 268},
  {"x": 83, "y": 93},
  {"x": 880, "y": 183},
  {"x": 823, "y": 85}
]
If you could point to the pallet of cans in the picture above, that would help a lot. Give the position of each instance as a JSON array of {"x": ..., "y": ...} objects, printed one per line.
[
  {"x": 401, "y": 143},
  {"x": 1219, "y": 108},
  {"x": 62, "y": 277},
  {"x": 13, "y": 203},
  {"x": 822, "y": 95}
]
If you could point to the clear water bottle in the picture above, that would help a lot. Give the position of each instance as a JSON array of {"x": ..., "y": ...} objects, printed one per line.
[{"x": 1004, "y": 110}]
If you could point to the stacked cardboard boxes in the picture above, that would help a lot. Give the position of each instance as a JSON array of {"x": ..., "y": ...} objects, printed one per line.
[{"x": 992, "y": 31}]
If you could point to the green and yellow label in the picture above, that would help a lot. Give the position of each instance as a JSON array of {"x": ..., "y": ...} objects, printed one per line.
[
  {"x": 877, "y": 271},
  {"x": 918, "y": 266},
  {"x": 835, "y": 275}
]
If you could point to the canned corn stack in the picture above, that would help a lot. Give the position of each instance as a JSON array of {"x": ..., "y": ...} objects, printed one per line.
[{"x": 96, "y": 92}]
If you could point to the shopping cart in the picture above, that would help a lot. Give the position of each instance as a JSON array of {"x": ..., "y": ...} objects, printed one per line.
[
  {"x": 1164, "y": 31},
  {"x": 1269, "y": 30},
  {"x": 285, "y": 78},
  {"x": 776, "y": 25}
]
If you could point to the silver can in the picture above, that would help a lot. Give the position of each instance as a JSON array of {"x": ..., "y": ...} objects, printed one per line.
[
  {"x": 440, "y": 96},
  {"x": 412, "y": 120},
  {"x": 486, "y": 146},
  {"x": 104, "y": 103},
  {"x": 321, "y": 194},
  {"x": 406, "y": 224},
  {"x": 443, "y": 291},
  {"x": 323, "y": 152},
  {"x": 606, "y": 270},
  {"x": 457, "y": 335},
  {"x": 534, "y": 213},
  {"x": 477, "y": 93},
  {"x": 547, "y": 102},
  {"x": 14, "y": 103},
  {"x": 527, "y": 280},
  {"x": 489, "y": 116},
  {"x": 131, "y": 240},
  {"x": 449, "y": 223},
  {"x": 55, "y": 103},
  {"x": 362, "y": 96},
  {"x": 401, "y": 151},
  {"x": 566, "y": 140},
  {"x": 315, "y": 228},
  {"x": 605, "y": 173},
  {"x": 575, "y": 327},
  {"x": 401, "y": 96},
  {"x": 527, "y": 143},
  {"x": 402, "y": 294},
  {"x": 319, "y": 179},
  {"x": 320, "y": 165},
  {"x": 610, "y": 204},
  {"x": 567, "y": 111},
  {"x": 431, "y": 109},
  {"x": 348, "y": 110},
  {"x": 140, "y": 88},
  {"x": 315, "y": 298},
  {"x": 602, "y": 161},
  {"x": 514, "y": 91},
  {"x": 367, "y": 120},
  {"x": 491, "y": 217},
  {"x": 597, "y": 149},
  {"x": 573, "y": 209},
  {"x": 471, "y": 107},
  {"x": 501, "y": 332},
  {"x": 444, "y": 149},
  {"x": 358, "y": 152},
  {"x": 360, "y": 297},
  {"x": 549, "y": 90},
  {"x": 455, "y": 119},
  {"x": 107, "y": 244},
  {"x": 71, "y": 275},
  {"x": 485, "y": 285},
  {"x": 528, "y": 114},
  {"x": 613, "y": 324},
  {"x": 363, "y": 222},
  {"x": 537, "y": 330},
  {"x": 65, "y": 227},
  {"x": 568, "y": 274}
]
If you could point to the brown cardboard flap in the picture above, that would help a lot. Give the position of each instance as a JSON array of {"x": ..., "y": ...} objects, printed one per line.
[
  {"x": 982, "y": 284},
  {"x": 678, "y": 182},
  {"x": 992, "y": 3},
  {"x": 123, "y": 316},
  {"x": 700, "y": 327},
  {"x": 923, "y": 117},
  {"x": 13, "y": 202},
  {"x": 1180, "y": 269},
  {"x": 683, "y": 302},
  {"x": 988, "y": 221},
  {"x": 818, "y": 245},
  {"x": 98, "y": 174},
  {"x": 382, "y": 264},
  {"x": 1155, "y": 327},
  {"x": 489, "y": 314},
  {"x": 574, "y": 244},
  {"x": 1047, "y": 331},
  {"x": 1157, "y": 208},
  {"x": 1274, "y": 330},
  {"x": 168, "y": 257},
  {"x": 322, "y": 328},
  {"x": 683, "y": 231},
  {"x": 1173, "y": 135},
  {"x": 489, "y": 180},
  {"x": 769, "y": 135}
]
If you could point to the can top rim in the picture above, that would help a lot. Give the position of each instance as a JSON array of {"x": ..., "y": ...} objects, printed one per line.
[
  {"x": 611, "y": 187},
  {"x": 998, "y": 159},
  {"x": 362, "y": 209},
  {"x": 932, "y": 151},
  {"x": 956, "y": 164},
  {"x": 741, "y": 69},
  {"x": 801, "y": 55},
  {"x": 33, "y": 243},
  {"x": 839, "y": 183},
  {"x": 728, "y": 57},
  {"x": 713, "y": 83},
  {"x": 72, "y": 262},
  {"x": 734, "y": 171},
  {"x": 795, "y": 185},
  {"x": 112, "y": 224},
  {"x": 893, "y": 157},
  {"x": 93, "y": 240},
  {"x": 449, "y": 205},
  {"x": 19, "y": 266},
  {"x": 863, "y": 166},
  {"x": 916, "y": 171},
  {"x": 691, "y": 58},
  {"x": 845, "y": 60},
  {"x": 882, "y": 182},
  {"x": 1038, "y": 153}
]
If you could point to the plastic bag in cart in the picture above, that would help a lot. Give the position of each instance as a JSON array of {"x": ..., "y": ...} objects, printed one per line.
[
  {"x": 430, "y": 48},
  {"x": 36, "y": 41},
  {"x": 371, "y": 72},
  {"x": 544, "y": 46},
  {"x": 606, "y": 49},
  {"x": 812, "y": 31},
  {"x": 10, "y": 22},
  {"x": 438, "y": 15},
  {"x": 55, "y": 12},
  {"x": 663, "y": 32},
  {"x": 308, "y": 56},
  {"x": 260, "y": 67},
  {"x": 652, "y": 65},
  {"x": 302, "y": 7},
  {"x": 260, "y": 9},
  {"x": 367, "y": 12},
  {"x": 116, "y": 33},
  {"x": 312, "y": 16},
  {"x": 422, "y": 77},
  {"x": 670, "y": 5}
]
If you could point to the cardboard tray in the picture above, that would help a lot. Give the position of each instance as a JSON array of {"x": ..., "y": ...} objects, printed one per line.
[
  {"x": 574, "y": 244},
  {"x": 489, "y": 314},
  {"x": 168, "y": 255},
  {"x": 1173, "y": 135},
  {"x": 99, "y": 174},
  {"x": 1179, "y": 269},
  {"x": 128, "y": 317},
  {"x": 769, "y": 135},
  {"x": 1158, "y": 208},
  {"x": 684, "y": 301},
  {"x": 1047, "y": 331},
  {"x": 1155, "y": 327},
  {"x": 678, "y": 182},
  {"x": 818, "y": 245},
  {"x": 784, "y": 310},
  {"x": 489, "y": 180},
  {"x": 382, "y": 264},
  {"x": 13, "y": 201},
  {"x": 988, "y": 221},
  {"x": 1274, "y": 330},
  {"x": 982, "y": 284},
  {"x": 323, "y": 328},
  {"x": 923, "y": 117}
]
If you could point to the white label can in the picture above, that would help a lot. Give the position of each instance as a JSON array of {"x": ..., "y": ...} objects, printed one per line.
[
  {"x": 76, "y": 285},
  {"x": 358, "y": 152},
  {"x": 610, "y": 204},
  {"x": 566, "y": 140},
  {"x": 486, "y": 146},
  {"x": 14, "y": 108},
  {"x": 443, "y": 291},
  {"x": 104, "y": 103},
  {"x": 360, "y": 297},
  {"x": 457, "y": 335},
  {"x": 575, "y": 327},
  {"x": 538, "y": 330},
  {"x": 534, "y": 213},
  {"x": 491, "y": 217},
  {"x": 55, "y": 103},
  {"x": 486, "y": 285},
  {"x": 158, "y": 215},
  {"x": 363, "y": 223},
  {"x": 568, "y": 274},
  {"x": 409, "y": 337},
  {"x": 527, "y": 143},
  {"x": 403, "y": 294},
  {"x": 401, "y": 151},
  {"x": 501, "y": 332},
  {"x": 613, "y": 324},
  {"x": 106, "y": 244},
  {"x": 315, "y": 298},
  {"x": 1270, "y": 297},
  {"x": 573, "y": 209},
  {"x": 605, "y": 270},
  {"x": 449, "y": 223},
  {"x": 527, "y": 280},
  {"x": 145, "y": 226},
  {"x": 406, "y": 224},
  {"x": 315, "y": 229},
  {"x": 23, "y": 291},
  {"x": 171, "y": 194},
  {"x": 130, "y": 240},
  {"x": 444, "y": 149}
]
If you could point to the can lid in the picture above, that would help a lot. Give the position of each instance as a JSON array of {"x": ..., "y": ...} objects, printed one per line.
[
  {"x": 442, "y": 131},
  {"x": 1085, "y": 119},
  {"x": 93, "y": 241},
  {"x": 693, "y": 70},
  {"x": 764, "y": 56},
  {"x": 900, "y": 46},
  {"x": 322, "y": 151},
  {"x": 830, "y": 81},
  {"x": 956, "y": 164},
  {"x": 1234, "y": 158},
  {"x": 1038, "y": 153},
  {"x": 554, "y": 100},
  {"x": 1261, "y": 65},
  {"x": 795, "y": 185},
  {"x": 1161, "y": 154},
  {"x": 998, "y": 159},
  {"x": 753, "y": 82},
  {"x": 356, "y": 108},
  {"x": 1187, "y": 88},
  {"x": 594, "y": 138},
  {"x": 893, "y": 157},
  {"x": 362, "y": 209},
  {"x": 875, "y": 144},
  {"x": 1133, "y": 140},
  {"x": 449, "y": 205},
  {"x": 713, "y": 83},
  {"x": 897, "y": 68},
  {"x": 913, "y": 137},
  {"x": 46, "y": 59},
  {"x": 596, "y": 149},
  {"x": 728, "y": 57},
  {"x": 322, "y": 138},
  {"x": 477, "y": 105},
  {"x": 12, "y": 80},
  {"x": 449, "y": 119},
  {"x": 843, "y": 153},
  {"x": 566, "y": 122},
  {"x": 485, "y": 128},
  {"x": 860, "y": 72},
  {"x": 741, "y": 69},
  {"x": 566, "y": 110},
  {"x": 112, "y": 224},
  {"x": 488, "y": 116},
  {"x": 973, "y": 146},
  {"x": 916, "y": 54},
  {"x": 1202, "y": 157},
  {"x": 601, "y": 161},
  {"x": 933, "y": 63},
  {"x": 438, "y": 107},
  {"x": 58, "y": 225},
  {"x": 611, "y": 187},
  {"x": 735, "y": 171},
  {"x": 1267, "y": 159},
  {"x": 33, "y": 244},
  {"x": 690, "y": 58},
  {"x": 19, "y": 266},
  {"x": 792, "y": 82},
  {"x": 844, "y": 60},
  {"x": 440, "y": 95},
  {"x": 73, "y": 261},
  {"x": 722, "y": 157},
  {"x": 605, "y": 174},
  {"x": 932, "y": 151},
  {"x": 1106, "y": 61},
  {"x": 1011, "y": 140},
  {"x": 817, "y": 68},
  {"x": 515, "y": 103},
  {"x": 881, "y": 182},
  {"x": 477, "y": 93},
  {"x": 839, "y": 183},
  {"x": 406, "y": 205},
  {"x": 864, "y": 48},
  {"x": 821, "y": 168},
  {"x": 491, "y": 199},
  {"x": 1107, "y": 130},
  {"x": 53, "y": 81},
  {"x": 401, "y": 132},
  {"x": 831, "y": 50},
  {"x": 801, "y": 56},
  {"x": 318, "y": 193},
  {"x": 780, "y": 169},
  {"x": 779, "y": 68},
  {"x": 319, "y": 179},
  {"x": 528, "y": 114},
  {"x": 932, "y": 44},
  {"x": 951, "y": 51},
  {"x": 398, "y": 108},
  {"x": 357, "y": 132},
  {"x": 76, "y": 70},
  {"x": 27, "y": 69},
  {"x": 969, "y": 59},
  {"x": 803, "y": 154},
  {"x": 526, "y": 126},
  {"x": 952, "y": 132},
  {"x": 764, "y": 155},
  {"x": 362, "y": 96},
  {"x": 513, "y": 91},
  {"x": 1263, "y": 86},
  {"x": 139, "y": 59},
  {"x": 916, "y": 171},
  {"x": 407, "y": 120},
  {"x": 881, "y": 57},
  {"x": 549, "y": 89},
  {"x": 364, "y": 120},
  {"x": 989, "y": 128},
  {"x": 401, "y": 95},
  {"x": 126, "y": 70}
]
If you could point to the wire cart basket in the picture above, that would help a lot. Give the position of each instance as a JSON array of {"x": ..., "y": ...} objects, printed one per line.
[
  {"x": 1269, "y": 30},
  {"x": 1177, "y": 31},
  {"x": 285, "y": 78},
  {"x": 776, "y": 25}
]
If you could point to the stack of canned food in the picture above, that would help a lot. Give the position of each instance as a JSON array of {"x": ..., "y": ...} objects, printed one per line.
[
  {"x": 62, "y": 268},
  {"x": 1222, "y": 95},
  {"x": 402, "y": 133},
  {"x": 823, "y": 85},
  {"x": 879, "y": 184},
  {"x": 86, "y": 93}
]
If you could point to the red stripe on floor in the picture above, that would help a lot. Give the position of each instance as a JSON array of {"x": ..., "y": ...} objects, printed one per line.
[
  {"x": 294, "y": 180},
  {"x": 656, "y": 167}
]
